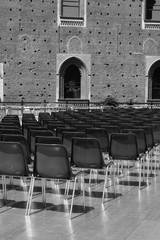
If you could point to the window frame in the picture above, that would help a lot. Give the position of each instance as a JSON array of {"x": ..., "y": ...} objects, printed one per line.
[
  {"x": 77, "y": 21},
  {"x": 65, "y": 5},
  {"x": 149, "y": 23},
  {"x": 152, "y": 10}
]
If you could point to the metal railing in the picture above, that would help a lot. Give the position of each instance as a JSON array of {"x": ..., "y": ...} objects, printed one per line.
[{"x": 35, "y": 107}]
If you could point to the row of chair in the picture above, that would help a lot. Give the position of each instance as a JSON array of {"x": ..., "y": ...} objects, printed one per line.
[{"x": 76, "y": 151}]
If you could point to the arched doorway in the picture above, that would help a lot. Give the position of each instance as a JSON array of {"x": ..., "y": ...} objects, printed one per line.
[
  {"x": 73, "y": 80},
  {"x": 154, "y": 81}
]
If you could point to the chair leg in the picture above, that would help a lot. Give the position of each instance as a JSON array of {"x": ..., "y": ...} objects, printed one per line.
[
  {"x": 30, "y": 194},
  {"x": 44, "y": 192},
  {"x": 83, "y": 191},
  {"x": 114, "y": 179},
  {"x": 74, "y": 187},
  {"x": 140, "y": 174},
  {"x": 90, "y": 177},
  {"x": 67, "y": 189},
  {"x": 104, "y": 187},
  {"x": 4, "y": 189}
]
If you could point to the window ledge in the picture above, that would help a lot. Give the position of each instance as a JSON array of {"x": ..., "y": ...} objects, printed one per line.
[
  {"x": 152, "y": 25},
  {"x": 71, "y": 22}
]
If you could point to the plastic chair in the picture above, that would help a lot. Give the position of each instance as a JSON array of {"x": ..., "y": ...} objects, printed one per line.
[
  {"x": 141, "y": 139},
  {"x": 21, "y": 139},
  {"x": 51, "y": 162},
  {"x": 30, "y": 128},
  {"x": 43, "y": 115},
  {"x": 54, "y": 126},
  {"x": 28, "y": 116},
  {"x": 102, "y": 135},
  {"x": 112, "y": 129},
  {"x": 142, "y": 144},
  {"x": 151, "y": 146},
  {"x": 60, "y": 130},
  {"x": 67, "y": 139},
  {"x": 26, "y": 125},
  {"x": 124, "y": 147},
  {"x": 13, "y": 163},
  {"x": 87, "y": 155},
  {"x": 33, "y": 134}
]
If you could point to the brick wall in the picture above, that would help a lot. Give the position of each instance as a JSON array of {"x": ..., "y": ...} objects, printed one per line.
[{"x": 30, "y": 40}]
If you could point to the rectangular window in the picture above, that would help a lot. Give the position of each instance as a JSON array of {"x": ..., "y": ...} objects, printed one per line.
[
  {"x": 152, "y": 10},
  {"x": 71, "y": 8},
  {"x": 151, "y": 14},
  {"x": 72, "y": 13}
]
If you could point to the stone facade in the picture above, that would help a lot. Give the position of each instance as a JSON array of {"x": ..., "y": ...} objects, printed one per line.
[{"x": 114, "y": 38}]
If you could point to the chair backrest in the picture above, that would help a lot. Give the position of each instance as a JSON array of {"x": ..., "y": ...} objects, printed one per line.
[
  {"x": 43, "y": 115},
  {"x": 123, "y": 146},
  {"x": 9, "y": 127},
  {"x": 124, "y": 125},
  {"x": 102, "y": 136},
  {"x": 11, "y": 117},
  {"x": 6, "y": 124},
  {"x": 18, "y": 138},
  {"x": 60, "y": 130},
  {"x": 81, "y": 127},
  {"x": 112, "y": 129},
  {"x": 67, "y": 139},
  {"x": 27, "y": 125},
  {"x": 51, "y": 121},
  {"x": 149, "y": 135},
  {"x": 51, "y": 161},
  {"x": 141, "y": 138},
  {"x": 99, "y": 123},
  {"x": 30, "y": 128},
  {"x": 28, "y": 116},
  {"x": 12, "y": 159},
  {"x": 86, "y": 153},
  {"x": 54, "y": 126},
  {"x": 48, "y": 140},
  {"x": 156, "y": 131},
  {"x": 11, "y": 120},
  {"x": 33, "y": 134},
  {"x": 10, "y": 131}
]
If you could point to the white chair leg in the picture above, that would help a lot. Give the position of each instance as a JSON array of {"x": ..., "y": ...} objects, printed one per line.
[
  {"x": 104, "y": 187},
  {"x": 30, "y": 194},
  {"x": 140, "y": 174},
  {"x": 74, "y": 187},
  {"x": 83, "y": 191},
  {"x": 114, "y": 179},
  {"x": 4, "y": 189},
  {"x": 44, "y": 192},
  {"x": 67, "y": 189}
]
